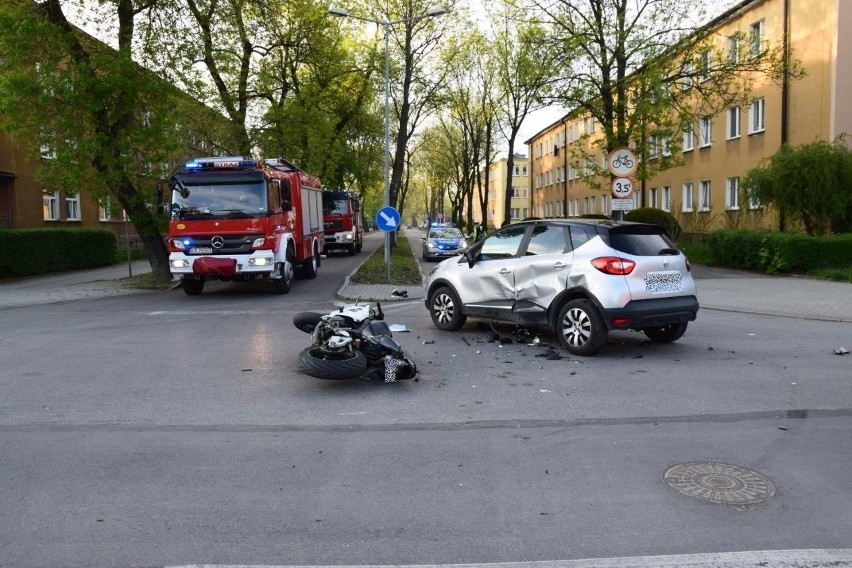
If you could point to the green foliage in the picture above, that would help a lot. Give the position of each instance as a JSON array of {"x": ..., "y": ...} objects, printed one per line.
[
  {"x": 657, "y": 217},
  {"x": 54, "y": 250},
  {"x": 774, "y": 252},
  {"x": 404, "y": 267},
  {"x": 810, "y": 184}
]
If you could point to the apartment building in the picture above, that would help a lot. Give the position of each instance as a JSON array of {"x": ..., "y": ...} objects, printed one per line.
[
  {"x": 716, "y": 152},
  {"x": 26, "y": 203},
  {"x": 520, "y": 190}
]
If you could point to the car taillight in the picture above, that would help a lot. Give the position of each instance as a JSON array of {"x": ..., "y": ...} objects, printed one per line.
[
  {"x": 614, "y": 265},
  {"x": 688, "y": 265}
]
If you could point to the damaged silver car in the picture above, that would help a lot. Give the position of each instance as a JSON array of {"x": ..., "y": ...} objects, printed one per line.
[{"x": 581, "y": 278}]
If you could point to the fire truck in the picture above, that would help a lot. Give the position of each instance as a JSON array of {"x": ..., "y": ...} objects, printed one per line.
[
  {"x": 343, "y": 221},
  {"x": 234, "y": 218}
]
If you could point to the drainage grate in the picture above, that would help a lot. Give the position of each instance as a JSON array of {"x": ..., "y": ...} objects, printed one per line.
[{"x": 723, "y": 483}]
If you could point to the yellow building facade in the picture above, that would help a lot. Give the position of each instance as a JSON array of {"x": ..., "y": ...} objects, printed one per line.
[
  {"x": 520, "y": 201},
  {"x": 703, "y": 191}
]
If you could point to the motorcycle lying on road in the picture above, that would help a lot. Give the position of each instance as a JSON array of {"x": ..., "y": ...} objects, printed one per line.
[{"x": 352, "y": 341}]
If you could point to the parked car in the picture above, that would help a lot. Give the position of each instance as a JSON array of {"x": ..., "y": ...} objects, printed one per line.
[
  {"x": 581, "y": 278},
  {"x": 443, "y": 240}
]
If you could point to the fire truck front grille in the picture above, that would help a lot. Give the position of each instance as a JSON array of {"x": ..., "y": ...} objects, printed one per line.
[
  {"x": 221, "y": 244},
  {"x": 336, "y": 224}
]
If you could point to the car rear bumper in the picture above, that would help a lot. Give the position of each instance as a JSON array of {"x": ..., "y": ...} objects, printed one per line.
[{"x": 652, "y": 313}]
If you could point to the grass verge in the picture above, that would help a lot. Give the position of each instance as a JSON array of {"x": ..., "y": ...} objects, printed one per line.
[{"x": 405, "y": 269}]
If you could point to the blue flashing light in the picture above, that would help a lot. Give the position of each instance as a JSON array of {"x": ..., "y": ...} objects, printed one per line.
[{"x": 230, "y": 163}]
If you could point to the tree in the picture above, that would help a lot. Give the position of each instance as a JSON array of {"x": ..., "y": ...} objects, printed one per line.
[
  {"x": 643, "y": 70},
  {"x": 809, "y": 184},
  {"x": 525, "y": 69},
  {"x": 107, "y": 119},
  {"x": 466, "y": 124}
]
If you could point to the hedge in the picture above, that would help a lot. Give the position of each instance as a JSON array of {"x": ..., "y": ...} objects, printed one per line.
[
  {"x": 30, "y": 252},
  {"x": 774, "y": 252}
]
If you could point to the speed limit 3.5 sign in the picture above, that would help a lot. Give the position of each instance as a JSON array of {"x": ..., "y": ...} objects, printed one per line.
[{"x": 622, "y": 188}]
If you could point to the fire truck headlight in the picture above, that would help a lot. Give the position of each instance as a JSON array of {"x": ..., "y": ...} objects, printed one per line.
[
  {"x": 348, "y": 237},
  {"x": 260, "y": 261},
  {"x": 179, "y": 244},
  {"x": 258, "y": 242},
  {"x": 180, "y": 263}
]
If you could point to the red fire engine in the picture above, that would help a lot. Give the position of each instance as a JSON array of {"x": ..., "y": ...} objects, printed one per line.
[
  {"x": 234, "y": 218},
  {"x": 344, "y": 225}
]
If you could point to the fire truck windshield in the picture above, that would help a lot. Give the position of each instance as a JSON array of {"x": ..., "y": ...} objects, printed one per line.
[
  {"x": 231, "y": 200},
  {"x": 335, "y": 206}
]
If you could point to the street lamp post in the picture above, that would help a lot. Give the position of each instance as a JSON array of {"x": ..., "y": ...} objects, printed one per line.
[{"x": 386, "y": 24}]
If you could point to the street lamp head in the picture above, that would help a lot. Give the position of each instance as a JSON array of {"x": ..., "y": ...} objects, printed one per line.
[
  {"x": 335, "y": 11},
  {"x": 435, "y": 11}
]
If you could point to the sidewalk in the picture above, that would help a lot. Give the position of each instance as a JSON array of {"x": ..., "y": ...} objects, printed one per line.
[{"x": 718, "y": 289}]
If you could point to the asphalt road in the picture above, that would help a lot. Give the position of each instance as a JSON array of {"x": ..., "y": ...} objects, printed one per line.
[{"x": 156, "y": 429}]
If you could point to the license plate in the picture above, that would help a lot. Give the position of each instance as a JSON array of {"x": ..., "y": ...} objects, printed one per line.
[
  {"x": 200, "y": 250},
  {"x": 663, "y": 282}
]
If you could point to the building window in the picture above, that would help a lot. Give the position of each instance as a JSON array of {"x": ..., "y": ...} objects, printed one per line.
[
  {"x": 104, "y": 213},
  {"x": 687, "y": 198},
  {"x": 513, "y": 213},
  {"x": 515, "y": 192},
  {"x": 560, "y": 209},
  {"x": 705, "y": 196},
  {"x": 72, "y": 207},
  {"x": 653, "y": 146},
  {"x": 705, "y": 131},
  {"x": 757, "y": 116},
  {"x": 755, "y": 39},
  {"x": 704, "y": 63},
  {"x": 734, "y": 122},
  {"x": 733, "y": 45},
  {"x": 732, "y": 194},
  {"x": 652, "y": 197},
  {"x": 604, "y": 203},
  {"x": 686, "y": 75},
  {"x": 51, "y": 205},
  {"x": 548, "y": 210},
  {"x": 666, "y": 145},
  {"x": 667, "y": 198},
  {"x": 688, "y": 138}
]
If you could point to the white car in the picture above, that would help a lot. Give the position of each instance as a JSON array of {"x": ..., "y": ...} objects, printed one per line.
[{"x": 580, "y": 278}]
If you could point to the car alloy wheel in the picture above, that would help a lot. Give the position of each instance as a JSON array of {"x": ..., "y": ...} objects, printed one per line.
[{"x": 580, "y": 328}]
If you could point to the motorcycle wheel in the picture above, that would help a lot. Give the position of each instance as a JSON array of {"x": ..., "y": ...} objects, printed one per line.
[
  {"x": 317, "y": 362},
  {"x": 307, "y": 321}
]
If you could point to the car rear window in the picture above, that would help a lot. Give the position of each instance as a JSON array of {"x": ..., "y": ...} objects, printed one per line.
[{"x": 642, "y": 240}]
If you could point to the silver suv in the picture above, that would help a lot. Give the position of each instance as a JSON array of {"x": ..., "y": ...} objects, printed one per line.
[{"x": 581, "y": 278}]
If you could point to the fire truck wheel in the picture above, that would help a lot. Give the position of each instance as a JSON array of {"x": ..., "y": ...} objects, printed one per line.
[
  {"x": 191, "y": 286},
  {"x": 283, "y": 285},
  {"x": 321, "y": 364},
  {"x": 310, "y": 265},
  {"x": 358, "y": 247}
]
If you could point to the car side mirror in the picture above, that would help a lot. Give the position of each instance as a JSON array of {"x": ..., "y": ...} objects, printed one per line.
[{"x": 471, "y": 258}]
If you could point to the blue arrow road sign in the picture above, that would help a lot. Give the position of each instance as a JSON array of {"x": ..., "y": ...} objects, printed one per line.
[{"x": 387, "y": 219}]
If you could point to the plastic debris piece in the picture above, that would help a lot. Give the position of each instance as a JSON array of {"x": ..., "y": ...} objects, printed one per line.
[
  {"x": 429, "y": 342},
  {"x": 398, "y": 327},
  {"x": 841, "y": 351},
  {"x": 399, "y": 293}
]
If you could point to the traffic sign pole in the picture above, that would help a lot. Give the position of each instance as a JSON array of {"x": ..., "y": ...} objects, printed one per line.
[{"x": 387, "y": 219}]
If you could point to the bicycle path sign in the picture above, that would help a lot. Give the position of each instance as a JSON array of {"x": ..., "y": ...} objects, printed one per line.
[{"x": 622, "y": 162}]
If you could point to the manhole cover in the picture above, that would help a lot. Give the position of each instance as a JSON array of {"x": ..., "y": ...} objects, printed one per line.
[{"x": 719, "y": 483}]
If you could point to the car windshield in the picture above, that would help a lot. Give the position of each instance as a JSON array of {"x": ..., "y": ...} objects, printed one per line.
[{"x": 446, "y": 233}]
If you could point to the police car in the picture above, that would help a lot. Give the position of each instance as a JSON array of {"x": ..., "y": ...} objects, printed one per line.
[{"x": 442, "y": 241}]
